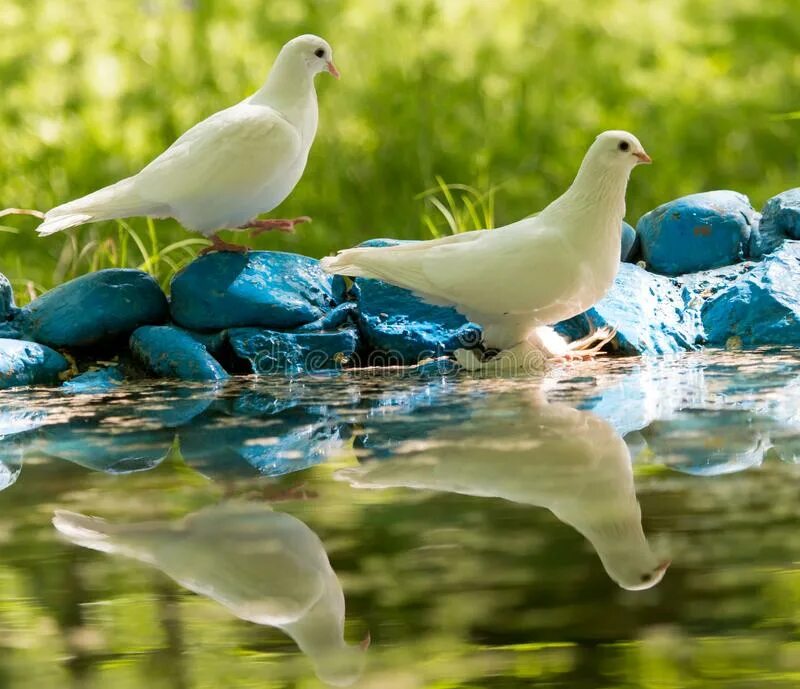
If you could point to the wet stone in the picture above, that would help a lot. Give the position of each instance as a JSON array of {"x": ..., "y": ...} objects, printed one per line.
[
  {"x": 258, "y": 289},
  {"x": 169, "y": 352},
  {"x": 29, "y": 363}
]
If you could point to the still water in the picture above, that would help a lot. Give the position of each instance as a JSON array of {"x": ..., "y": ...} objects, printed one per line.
[{"x": 619, "y": 523}]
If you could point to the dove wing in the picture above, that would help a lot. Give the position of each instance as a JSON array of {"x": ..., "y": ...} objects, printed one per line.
[{"x": 234, "y": 152}]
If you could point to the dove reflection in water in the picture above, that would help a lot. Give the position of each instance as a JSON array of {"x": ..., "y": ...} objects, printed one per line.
[
  {"x": 265, "y": 567},
  {"x": 571, "y": 462}
]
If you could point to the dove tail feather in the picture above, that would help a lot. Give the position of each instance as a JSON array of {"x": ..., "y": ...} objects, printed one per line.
[
  {"x": 89, "y": 532},
  {"x": 402, "y": 269},
  {"x": 118, "y": 200}
]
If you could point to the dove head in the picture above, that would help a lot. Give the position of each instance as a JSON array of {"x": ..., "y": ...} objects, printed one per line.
[
  {"x": 618, "y": 149},
  {"x": 311, "y": 53},
  {"x": 626, "y": 554}
]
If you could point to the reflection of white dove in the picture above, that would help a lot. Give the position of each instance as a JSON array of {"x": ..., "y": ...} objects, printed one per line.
[
  {"x": 265, "y": 567},
  {"x": 549, "y": 455}
]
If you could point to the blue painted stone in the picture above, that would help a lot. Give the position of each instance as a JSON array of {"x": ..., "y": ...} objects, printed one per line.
[
  {"x": 6, "y": 298},
  {"x": 761, "y": 306},
  {"x": 628, "y": 241},
  {"x": 780, "y": 218},
  {"x": 402, "y": 328},
  {"x": 269, "y": 352},
  {"x": 95, "y": 382},
  {"x": 261, "y": 288},
  {"x": 28, "y": 363},
  {"x": 168, "y": 352},
  {"x": 649, "y": 312},
  {"x": 213, "y": 342},
  {"x": 98, "y": 307},
  {"x": 345, "y": 313},
  {"x": 696, "y": 232}
]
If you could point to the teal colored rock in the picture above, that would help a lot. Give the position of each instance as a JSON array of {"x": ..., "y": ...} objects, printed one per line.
[
  {"x": 95, "y": 382},
  {"x": 629, "y": 242},
  {"x": 269, "y": 352},
  {"x": 168, "y": 352},
  {"x": 29, "y": 363},
  {"x": 258, "y": 289},
  {"x": 697, "y": 232},
  {"x": 6, "y": 298},
  {"x": 649, "y": 312},
  {"x": 344, "y": 314},
  {"x": 760, "y": 306},
  {"x": 780, "y": 219},
  {"x": 94, "y": 308}
]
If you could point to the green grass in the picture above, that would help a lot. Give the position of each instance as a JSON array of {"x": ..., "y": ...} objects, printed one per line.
[{"x": 501, "y": 97}]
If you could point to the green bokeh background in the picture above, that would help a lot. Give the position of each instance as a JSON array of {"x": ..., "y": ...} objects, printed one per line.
[{"x": 502, "y": 95}]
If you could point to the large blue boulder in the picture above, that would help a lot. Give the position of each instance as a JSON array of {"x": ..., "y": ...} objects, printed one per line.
[
  {"x": 761, "y": 306},
  {"x": 697, "y": 232},
  {"x": 94, "y": 308},
  {"x": 29, "y": 363},
  {"x": 780, "y": 218},
  {"x": 269, "y": 352},
  {"x": 169, "y": 352},
  {"x": 6, "y": 298},
  {"x": 402, "y": 328},
  {"x": 649, "y": 312},
  {"x": 629, "y": 243},
  {"x": 261, "y": 288}
]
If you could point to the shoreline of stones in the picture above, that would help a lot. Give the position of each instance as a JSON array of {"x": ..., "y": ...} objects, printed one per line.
[{"x": 717, "y": 273}]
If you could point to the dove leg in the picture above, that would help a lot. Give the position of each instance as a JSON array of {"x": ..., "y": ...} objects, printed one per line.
[
  {"x": 261, "y": 226},
  {"x": 219, "y": 244},
  {"x": 591, "y": 345}
]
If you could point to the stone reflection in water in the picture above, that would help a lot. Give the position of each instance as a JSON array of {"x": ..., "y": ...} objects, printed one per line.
[
  {"x": 529, "y": 451},
  {"x": 265, "y": 567}
]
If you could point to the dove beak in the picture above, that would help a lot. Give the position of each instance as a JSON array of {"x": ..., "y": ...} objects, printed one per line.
[
  {"x": 663, "y": 567},
  {"x": 643, "y": 158},
  {"x": 332, "y": 69}
]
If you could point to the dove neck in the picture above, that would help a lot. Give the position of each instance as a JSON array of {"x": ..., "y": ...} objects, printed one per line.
[
  {"x": 598, "y": 192},
  {"x": 289, "y": 87}
]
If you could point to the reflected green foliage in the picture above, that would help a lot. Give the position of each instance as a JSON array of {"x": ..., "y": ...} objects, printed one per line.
[{"x": 501, "y": 95}]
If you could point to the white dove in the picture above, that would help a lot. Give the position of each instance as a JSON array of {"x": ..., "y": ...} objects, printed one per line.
[
  {"x": 229, "y": 168},
  {"x": 549, "y": 455},
  {"x": 265, "y": 567},
  {"x": 515, "y": 280}
]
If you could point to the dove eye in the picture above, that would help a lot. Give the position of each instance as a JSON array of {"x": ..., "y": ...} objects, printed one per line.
[
  {"x": 319, "y": 52},
  {"x": 624, "y": 145},
  {"x": 645, "y": 577}
]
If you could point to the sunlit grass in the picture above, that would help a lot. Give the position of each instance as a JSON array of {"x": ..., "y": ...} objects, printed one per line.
[{"x": 456, "y": 208}]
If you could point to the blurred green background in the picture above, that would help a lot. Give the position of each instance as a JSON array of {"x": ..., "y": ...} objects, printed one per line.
[{"x": 503, "y": 96}]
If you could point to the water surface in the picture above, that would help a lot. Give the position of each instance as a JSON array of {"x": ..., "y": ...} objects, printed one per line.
[{"x": 404, "y": 531}]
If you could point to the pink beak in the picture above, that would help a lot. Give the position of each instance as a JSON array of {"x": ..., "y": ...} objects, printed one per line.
[
  {"x": 643, "y": 157},
  {"x": 332, "y": 69},
  {"x": 664, "y": 566},
  {"x": 364, "y": 645}
]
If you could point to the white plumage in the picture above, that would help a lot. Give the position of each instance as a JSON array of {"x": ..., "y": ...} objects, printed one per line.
[
  {"x": 265, "y": 567},
  {"x": 533, "y": 273},
  {"x": 229, "y": 168},
  {"x": 549, "y": 455}
]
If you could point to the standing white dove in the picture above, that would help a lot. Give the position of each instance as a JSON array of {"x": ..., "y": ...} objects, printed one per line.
[
  {"x": 265, "y": 567},
  {"x": 231, "y": 167},
  {"x": 516, "y": 280}
]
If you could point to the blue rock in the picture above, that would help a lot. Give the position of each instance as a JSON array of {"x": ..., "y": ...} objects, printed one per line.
[
  {"x": 260, "y": 288},
  {"x": 213, "y": 342},
  {"x": 697, "y": 232},
  {"x": 95, "y": 382},
  {"x": 341, "y": 315},
  {"x": 629, "y": 238},
  {"x": 98, "y": 307},
  {"x": 28, "y": 363},
  {"x": 761, "y": 306},
  {"x": 6, "y": 298},
  {"x": 269, "y": 352},
  {"x": 648, "y": 311},
  {"x": 780, "y": 218},
  {"x": 168, "y": 352},
  {"x": 402, "y": 329}
]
